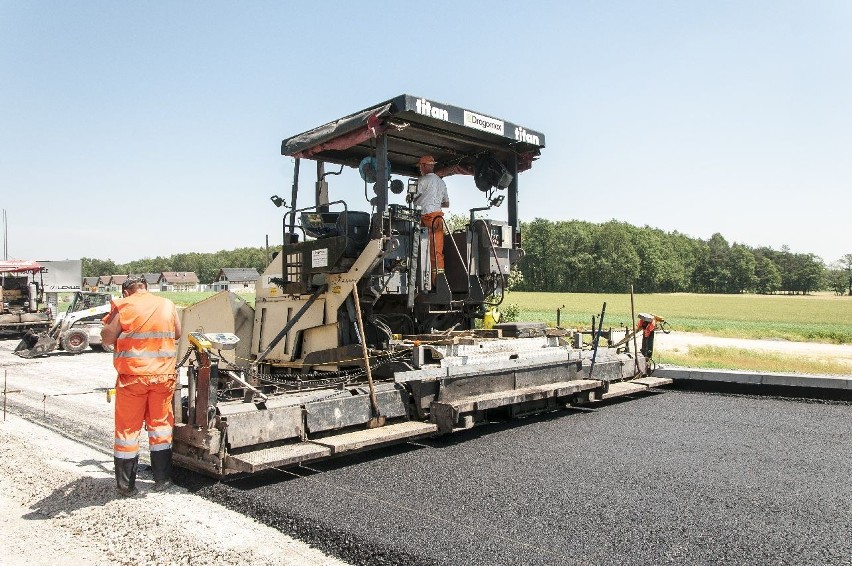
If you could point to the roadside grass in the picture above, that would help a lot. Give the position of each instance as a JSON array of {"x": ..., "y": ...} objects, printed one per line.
[
  {"x": 185, "y": 299},
  {"x": 820, "y": 317},
  {"x": 715, "y": 357}
]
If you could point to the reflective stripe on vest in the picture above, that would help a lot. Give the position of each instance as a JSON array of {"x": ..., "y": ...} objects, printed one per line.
[
  {"x": 147, "y": 335},
  {"x": 143, "y": 355},
  {"x": 146, "y": 345}
]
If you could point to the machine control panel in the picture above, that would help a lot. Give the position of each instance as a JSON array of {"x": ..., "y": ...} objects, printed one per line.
[
  {"x": 198, "y": 340},
  {"x": 495, "y": 247},
  {"x": 213, "y": 340},
  {"x": 500, "y": 234},
  {"x": 222, "y": 340},
  {"x": 401, "y": 212}
]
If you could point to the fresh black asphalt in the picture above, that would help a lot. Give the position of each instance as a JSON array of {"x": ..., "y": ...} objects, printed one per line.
[{"x": 679, "y": 477}]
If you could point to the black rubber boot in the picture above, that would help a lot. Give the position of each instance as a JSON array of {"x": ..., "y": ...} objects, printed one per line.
[
  {"x": 161, "y": 467},
  {"x": 125, "y": 476}
]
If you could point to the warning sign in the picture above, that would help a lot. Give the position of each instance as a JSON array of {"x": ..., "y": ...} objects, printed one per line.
[{"x": 319, "y": 258}]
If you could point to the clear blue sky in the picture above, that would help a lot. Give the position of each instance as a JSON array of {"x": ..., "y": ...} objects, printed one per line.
[{"x": 131, "y": 130}]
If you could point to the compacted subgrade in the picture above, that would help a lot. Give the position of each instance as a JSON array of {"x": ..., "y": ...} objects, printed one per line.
[{"x": 671, "y": 478}]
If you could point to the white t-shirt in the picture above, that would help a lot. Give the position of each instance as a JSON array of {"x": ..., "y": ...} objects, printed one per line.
[{"x": 431, "y": 192}]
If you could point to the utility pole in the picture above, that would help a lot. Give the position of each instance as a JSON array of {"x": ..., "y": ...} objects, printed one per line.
[{"x": 5, "y": 237}]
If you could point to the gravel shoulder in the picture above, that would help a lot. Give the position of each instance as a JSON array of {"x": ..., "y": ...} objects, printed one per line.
[{"x": 57, "y": 494}]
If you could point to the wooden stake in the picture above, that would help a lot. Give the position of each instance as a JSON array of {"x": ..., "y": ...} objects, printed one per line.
[
  {"x": 6, "y": 391},
  {"x": 377, "y": 419}
]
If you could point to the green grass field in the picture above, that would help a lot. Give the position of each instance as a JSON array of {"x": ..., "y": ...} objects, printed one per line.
[
  {"x": 812, "y": 318},
  {"x": 186, "y": 299}
]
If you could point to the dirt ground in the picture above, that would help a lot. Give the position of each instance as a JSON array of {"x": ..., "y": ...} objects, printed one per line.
[
  {"x": 681, "y": 341},
  {"x": 57, "y": 489}
]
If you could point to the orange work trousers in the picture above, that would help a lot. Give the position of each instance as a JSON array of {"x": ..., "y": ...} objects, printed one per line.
[
  {"x": 141, "y": 398},
  {"x": 434, "y": 222}
]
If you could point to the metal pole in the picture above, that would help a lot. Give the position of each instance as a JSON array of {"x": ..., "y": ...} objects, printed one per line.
[
  {"x": 321, "y": 196},
  {"x": 191, "y": 382},
  {"x": 382, "y": 177},
  {"x": 633, "y": 329},
  {"x": 597, "y": 340},
  {"x": 293, "y": 196},
  {"x": 512, "y": 205}
]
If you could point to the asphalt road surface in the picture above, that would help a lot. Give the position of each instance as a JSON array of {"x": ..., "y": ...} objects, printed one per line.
[{"x": 677, "y": 477}]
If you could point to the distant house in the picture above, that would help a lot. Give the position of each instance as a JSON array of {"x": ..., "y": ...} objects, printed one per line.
[
  {"x": 153, "y": 281},
  {"x": 103, "y": 282},
  {"x": 178, "y": 281},
  {"x": 115, "y": 282},
  {"x": 236, "y": 279},
  {"x": 90, "y": 283}
]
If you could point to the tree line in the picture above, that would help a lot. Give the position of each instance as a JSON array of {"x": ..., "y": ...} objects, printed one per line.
[{"x": 577, "y": 256}]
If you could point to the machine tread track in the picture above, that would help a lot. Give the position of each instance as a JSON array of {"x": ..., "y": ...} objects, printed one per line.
[
  {"x": 638, "y": 385},
  {"x": 329, "y": 446},
  {"x": 516, "y": 396}
]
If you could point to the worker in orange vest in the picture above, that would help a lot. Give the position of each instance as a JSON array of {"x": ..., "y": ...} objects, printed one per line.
[
  {"x": 144, "y": 329},
  {"x": 431, "y": 197}
]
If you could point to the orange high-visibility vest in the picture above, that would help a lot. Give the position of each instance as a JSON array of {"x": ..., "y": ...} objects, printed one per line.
[{"x": 146, "y": 345}]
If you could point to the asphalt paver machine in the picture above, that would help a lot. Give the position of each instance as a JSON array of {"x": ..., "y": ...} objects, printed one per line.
[{"x": 350, "y": 345}]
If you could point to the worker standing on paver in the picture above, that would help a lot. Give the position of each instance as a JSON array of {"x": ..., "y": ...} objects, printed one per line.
[
  {"x": 431, "y": 197},
  {"x": 144, "y": 329}
]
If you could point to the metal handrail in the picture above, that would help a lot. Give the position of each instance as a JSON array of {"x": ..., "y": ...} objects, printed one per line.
[
  {"x": 455, "y": 246},
  {"x": 314, "y": 207}
]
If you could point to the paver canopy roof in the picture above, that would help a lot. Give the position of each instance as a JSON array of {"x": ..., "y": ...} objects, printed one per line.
[{"x": 415, "y": 126}]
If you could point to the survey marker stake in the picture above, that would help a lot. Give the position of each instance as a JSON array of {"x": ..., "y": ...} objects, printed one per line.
[{"x": 6, "y": 390}]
